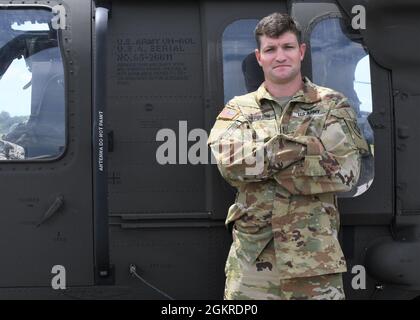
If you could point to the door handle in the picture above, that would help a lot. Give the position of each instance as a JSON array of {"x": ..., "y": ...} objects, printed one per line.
[{"x": 52, "y": 210}]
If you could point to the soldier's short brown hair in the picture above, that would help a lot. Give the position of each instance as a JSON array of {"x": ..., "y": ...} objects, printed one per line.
[{"x": 275, "y": 25}]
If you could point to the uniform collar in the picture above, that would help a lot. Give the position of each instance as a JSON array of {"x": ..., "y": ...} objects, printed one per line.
[{"x": 308, "y": 94}]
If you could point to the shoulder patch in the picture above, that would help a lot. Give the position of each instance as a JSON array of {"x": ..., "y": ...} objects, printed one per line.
[{"x": 228, "y": 114}]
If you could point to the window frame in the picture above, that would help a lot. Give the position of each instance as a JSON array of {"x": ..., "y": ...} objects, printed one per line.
[{"x": 226, "y": 99}]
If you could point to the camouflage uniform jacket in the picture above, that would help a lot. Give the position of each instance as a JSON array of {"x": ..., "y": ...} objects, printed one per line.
[{"x": 287, "y": 170}]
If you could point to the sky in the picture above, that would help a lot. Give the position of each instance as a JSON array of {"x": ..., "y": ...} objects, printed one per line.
[
  {"x": 362, "y": 84},
  {"x": 14, "y": 99}
]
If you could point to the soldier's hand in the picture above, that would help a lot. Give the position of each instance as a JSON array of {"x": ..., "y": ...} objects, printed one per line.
[
  {"x": 289, "y": 152},
  {"x": 313, "y": 145}
]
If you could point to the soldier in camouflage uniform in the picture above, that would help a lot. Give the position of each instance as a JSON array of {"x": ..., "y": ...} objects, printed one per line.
[{"x": 288, "y": 148}]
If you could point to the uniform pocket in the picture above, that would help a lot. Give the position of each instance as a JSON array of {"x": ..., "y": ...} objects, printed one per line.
[
  {"x": 307, "y": 122},
  {"x": 312, "y": 166},
  {"x": 357, "y": 137},
  {"x": 250, "y": 245},
  {"x": 347, "y": 118}
]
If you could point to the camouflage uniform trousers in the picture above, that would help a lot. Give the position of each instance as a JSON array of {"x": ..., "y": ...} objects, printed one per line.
[{"x": 261, "y": 281}]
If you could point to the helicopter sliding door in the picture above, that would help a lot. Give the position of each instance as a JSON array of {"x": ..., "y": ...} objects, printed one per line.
[{"x": 45, "y": 145}]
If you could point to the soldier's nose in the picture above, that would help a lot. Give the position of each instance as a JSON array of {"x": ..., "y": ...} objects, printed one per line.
[{"x": 280, "y": 57}]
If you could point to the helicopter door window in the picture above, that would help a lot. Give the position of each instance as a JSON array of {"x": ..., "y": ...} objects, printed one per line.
[
  {"x": 343, "y": 65},
  {"x": 241, "y": 72},
  {"x": 32, "y": 105}
]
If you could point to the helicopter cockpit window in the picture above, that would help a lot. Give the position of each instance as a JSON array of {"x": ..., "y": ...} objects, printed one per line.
[
  {"x": 340, "y": 61},
  {"x": 32, "y": 104},
  {"x": 241, "y": 72}
]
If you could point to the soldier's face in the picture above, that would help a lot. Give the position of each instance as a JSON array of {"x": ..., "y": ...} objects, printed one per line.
[{"x": 280, "y": 58}]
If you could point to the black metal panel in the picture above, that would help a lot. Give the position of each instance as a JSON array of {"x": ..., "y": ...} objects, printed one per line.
[
  {"x": 183, "y": 262},
  {"x": 392, "y": 35},
  {"x": 30, "y": 189},
  {"x": 389, "y": 26},
  {"x": 155, "y": 83}
]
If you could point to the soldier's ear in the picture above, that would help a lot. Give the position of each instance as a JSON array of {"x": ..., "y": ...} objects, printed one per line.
[
  {"x": 302, "y": 49},
  {"x": 258, "y": 56}
]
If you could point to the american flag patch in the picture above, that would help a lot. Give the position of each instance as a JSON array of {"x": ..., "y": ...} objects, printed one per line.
[{"x": 228, "y": 114}]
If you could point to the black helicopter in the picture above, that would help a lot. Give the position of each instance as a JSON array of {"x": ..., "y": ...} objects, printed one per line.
[{"x": 93, "y": 207}]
